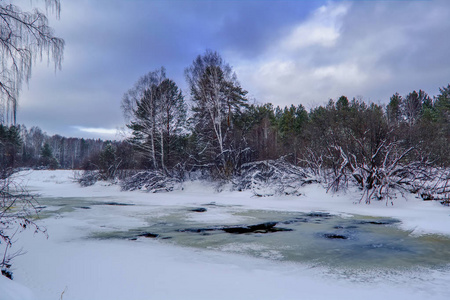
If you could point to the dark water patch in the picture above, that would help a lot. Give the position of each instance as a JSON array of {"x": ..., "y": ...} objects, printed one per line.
[
  {"x": 132, "y": 234},
  {"x": 319, "y": 214},
  {"x": 149, "y": 235},
  {"x": 259, "y": 228},
  {"x": 378, "y": 221},
  {"x": 199, "y": 230},
  {"x": 241, "y": 229},
  {"x": 199, "y": 209},
  {"x": 296, "y": 220},
  {"x": 335, "y": 236},
  {"x": 115, "y": 204},
  {"x": 351, "y": 227}
]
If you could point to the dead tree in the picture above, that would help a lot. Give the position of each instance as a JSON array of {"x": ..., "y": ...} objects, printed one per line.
[{"x": 382, "y": 173}]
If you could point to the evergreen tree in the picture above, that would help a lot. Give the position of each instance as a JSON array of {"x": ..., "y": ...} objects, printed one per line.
[
  {"x": 393, "y": 109},
  {"x": 10, "y": 144},
  {"x": 108, "y": 162},
  {"x": 47, "y": 158}
]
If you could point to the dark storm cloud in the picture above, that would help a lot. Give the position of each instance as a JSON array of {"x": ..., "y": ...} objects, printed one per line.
[
  {"x": 283, "y": 51},
  {"x": 110, "y": 44}
]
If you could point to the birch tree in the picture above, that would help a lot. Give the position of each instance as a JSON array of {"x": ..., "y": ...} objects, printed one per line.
[
  {"x": 24, "y": 37},
  {"x": 217, "y": 96},
  {"x": 156, "y": 112},
  {"x": 412, "y": 107}
]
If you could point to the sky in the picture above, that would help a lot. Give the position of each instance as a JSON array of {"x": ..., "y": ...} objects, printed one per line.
[{"x": 283, "y": 52}]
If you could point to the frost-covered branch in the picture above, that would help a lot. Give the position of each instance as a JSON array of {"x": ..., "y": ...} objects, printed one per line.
[
  {"x": 17, "y": 211},
  {"x": 381, "y": 173},
  {"x": 24, "y": 37}
]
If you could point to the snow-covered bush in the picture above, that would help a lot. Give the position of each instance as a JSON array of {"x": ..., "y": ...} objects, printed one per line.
[
  {"x": 151, "y": 181},
  {"x": 88, "y": 177},
  {"x": 383, "y": 174},
  {"x": 439, "y": 187},
  {"x": 271, "y": 177}
]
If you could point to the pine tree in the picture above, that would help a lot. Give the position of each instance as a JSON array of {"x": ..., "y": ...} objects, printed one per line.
[
  {"x": 157, "y": 114},
  {"x": 47, "y": 158}
]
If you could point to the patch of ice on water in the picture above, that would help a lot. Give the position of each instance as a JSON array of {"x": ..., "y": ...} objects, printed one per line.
[{"x": 254, "y": 248}]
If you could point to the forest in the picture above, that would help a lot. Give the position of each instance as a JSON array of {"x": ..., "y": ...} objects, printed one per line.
[{"x": 217, "y": 134}]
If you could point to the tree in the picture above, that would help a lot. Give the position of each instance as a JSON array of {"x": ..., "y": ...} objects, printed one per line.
[
  {"x": 156, "y": 112},
  {"x": 412, "y": 107},
  {"x": 291, "y": 122},
  {"x": 24, "y": 36},
  {"x": 47, "y": 158},
  {"x": 441, "y": 110},
  {"x": 217, "y": 96},
  {"x": 258, "y": 130},
  {"x": 442, "y": 105},
  {"x": 393, "y": 109},
  {"x": 108, "y": 162},
  {"x": 342, "y": 104},
  {"x": 10, "y": 143}
]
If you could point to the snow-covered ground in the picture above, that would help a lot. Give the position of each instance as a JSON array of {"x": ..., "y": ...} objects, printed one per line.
[{"x": 67, "y": 265}]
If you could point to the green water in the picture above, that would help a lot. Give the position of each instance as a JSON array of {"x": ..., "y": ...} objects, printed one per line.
[{"x": 315, "y": 238}]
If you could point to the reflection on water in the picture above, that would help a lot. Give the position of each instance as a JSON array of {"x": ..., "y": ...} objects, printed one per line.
[
  {"x": 49, "y": 207},
  {"x": 316, "y": 238}
]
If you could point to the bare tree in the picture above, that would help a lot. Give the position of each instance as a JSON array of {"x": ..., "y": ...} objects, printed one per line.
[
  {"x": 381, "y": 173},
  {"x": 412, "y": 107},
  {"x": 24, "y": 37}
]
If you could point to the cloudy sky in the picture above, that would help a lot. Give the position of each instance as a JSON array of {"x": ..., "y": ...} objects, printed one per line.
[{"x": 284, "y": 52}]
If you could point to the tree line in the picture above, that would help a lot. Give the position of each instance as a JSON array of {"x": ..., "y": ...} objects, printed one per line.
[
  {"x": 221, "y": 130},
  {"x": 216, "y": 130},
  {"x": 21, "y": 147}
]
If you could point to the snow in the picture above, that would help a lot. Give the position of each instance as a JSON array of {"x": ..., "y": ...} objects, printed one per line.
[
  {"x": 69, "y": 266},
  {"x": 12, "y": 290}
]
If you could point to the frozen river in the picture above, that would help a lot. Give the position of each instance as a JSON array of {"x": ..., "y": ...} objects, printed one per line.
[
  {"x": 198, "y": 244},
  {"x": 314, "y": 238}
]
